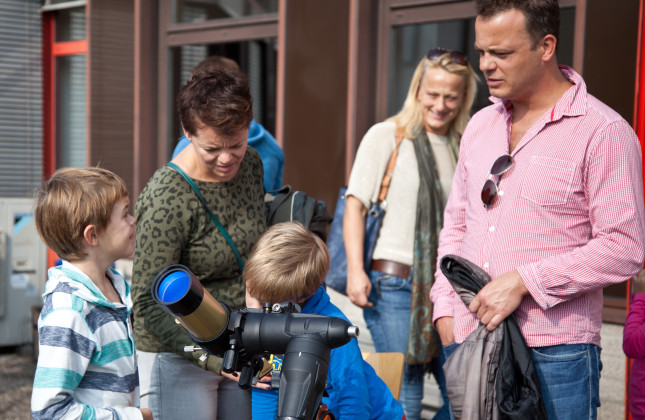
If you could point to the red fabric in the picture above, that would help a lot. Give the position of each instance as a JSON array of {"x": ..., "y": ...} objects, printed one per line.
[
  {"x": 568, "y": 216},
  {"x": 634, "y": 347}
]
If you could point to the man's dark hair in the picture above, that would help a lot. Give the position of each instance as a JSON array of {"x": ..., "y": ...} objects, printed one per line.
[
  {"x": 214, "y": 63},
  {"x": 542, "y": 16},
  {"x": 217, "y": 99}
]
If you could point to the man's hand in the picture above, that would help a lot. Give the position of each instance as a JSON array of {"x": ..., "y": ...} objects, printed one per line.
[
  {"x": 146, "y": 413},
  {"x": 358, "y": 288},
  {"x": 498, "y": 299},
  {"x": 445, "y": 327}
]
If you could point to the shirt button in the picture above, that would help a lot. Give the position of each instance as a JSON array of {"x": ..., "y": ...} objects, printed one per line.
[
  {"x": 500, "y": 193},
  {"x": 485, "y": 265},
  {"x": 491, "y": 229}
]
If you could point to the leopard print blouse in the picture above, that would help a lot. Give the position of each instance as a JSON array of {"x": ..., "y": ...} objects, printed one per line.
[{"x": 174, "y": 228}]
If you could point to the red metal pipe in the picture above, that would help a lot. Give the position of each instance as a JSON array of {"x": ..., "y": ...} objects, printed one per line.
[{"x": 639, "y": 128}]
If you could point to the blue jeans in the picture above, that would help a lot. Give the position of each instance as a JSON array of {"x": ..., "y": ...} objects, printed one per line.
[
  {"x": 448, "y": 350},
  {"x": 569, "y": 379},
  {"x": 389, "y": 324}
]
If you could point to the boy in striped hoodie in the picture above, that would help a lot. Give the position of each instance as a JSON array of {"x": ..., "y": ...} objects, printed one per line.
[{"x": 87, "y": 365}]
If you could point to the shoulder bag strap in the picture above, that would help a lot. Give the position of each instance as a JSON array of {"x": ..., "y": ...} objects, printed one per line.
[
  {"x": 387, "y": 177},
  {"x": 279, "y": 196},
  {"x": 217, "y": 223}
]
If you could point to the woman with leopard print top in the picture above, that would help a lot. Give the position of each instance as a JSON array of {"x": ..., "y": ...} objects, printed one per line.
[{"x": 174, "y": 228}]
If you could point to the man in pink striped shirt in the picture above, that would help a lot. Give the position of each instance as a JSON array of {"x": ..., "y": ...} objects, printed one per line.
[{"x": 560, "y": 214}]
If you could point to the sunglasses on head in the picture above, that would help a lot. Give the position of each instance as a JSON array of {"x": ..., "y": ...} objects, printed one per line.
[
  {"x": 500, "y": 166},
  {"x": 456, "y": 56}
]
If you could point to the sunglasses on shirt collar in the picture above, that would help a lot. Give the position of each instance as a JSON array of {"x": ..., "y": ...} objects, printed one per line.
[{"x": 490, "y": 189}]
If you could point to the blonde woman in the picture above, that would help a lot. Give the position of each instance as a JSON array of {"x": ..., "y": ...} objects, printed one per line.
[{"x": 394, "y": 293}]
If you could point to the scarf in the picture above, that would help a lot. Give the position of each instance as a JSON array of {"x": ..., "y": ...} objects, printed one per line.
[{"x": 423, "y": 341}]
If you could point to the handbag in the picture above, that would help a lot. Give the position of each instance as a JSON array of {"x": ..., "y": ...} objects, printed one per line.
[
  {"x": 217, "y": 223},
  {"x": 337, "y": 276}
]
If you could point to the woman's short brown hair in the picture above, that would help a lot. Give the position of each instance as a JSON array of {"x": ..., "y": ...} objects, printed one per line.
[
  {"x": 287, "y": 263},
  {"x": 217, "y": 99},
  {"x": 72, "y": 199}
]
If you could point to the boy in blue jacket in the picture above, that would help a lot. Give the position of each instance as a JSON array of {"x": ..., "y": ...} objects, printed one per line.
[{"x": 289, "y": 263}]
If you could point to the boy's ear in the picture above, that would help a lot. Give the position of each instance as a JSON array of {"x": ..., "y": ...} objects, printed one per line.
[
  {"x": 91, "y": 235},
  {"x": 252, "y": 302}
]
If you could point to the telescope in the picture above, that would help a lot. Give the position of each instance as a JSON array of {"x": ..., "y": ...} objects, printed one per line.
[{"x": 244, "y": 337}]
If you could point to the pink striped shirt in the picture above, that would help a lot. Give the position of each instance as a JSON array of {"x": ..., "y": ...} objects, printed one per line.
[{"x": 569, "y": 215}]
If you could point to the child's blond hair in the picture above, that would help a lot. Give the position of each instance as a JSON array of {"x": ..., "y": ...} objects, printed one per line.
[
  {"x": 71, "y": 200},
  {"x": 288, "y": 263}
]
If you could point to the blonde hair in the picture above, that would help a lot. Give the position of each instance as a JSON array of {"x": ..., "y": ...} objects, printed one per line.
[
  {"x": 287, "y": 263},
  {"x": 410, "y": 118},
  {"x": 71, "y": 200}
]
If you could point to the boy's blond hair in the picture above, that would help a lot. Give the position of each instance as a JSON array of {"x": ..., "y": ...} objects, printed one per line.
[
  {"x": 72, "y": 199},
  {"x": 287, "y": 263}
]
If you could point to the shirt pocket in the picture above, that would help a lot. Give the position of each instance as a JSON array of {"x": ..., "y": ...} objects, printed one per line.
[{"x": 548, "y": 181}]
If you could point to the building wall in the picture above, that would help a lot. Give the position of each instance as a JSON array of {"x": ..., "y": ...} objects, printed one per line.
[
  {"x": 610, "y": 56},
  {"x": 21, "y": 158},
  {"x": 111, "y": 86},
  {"x": 315, "y": 96}
]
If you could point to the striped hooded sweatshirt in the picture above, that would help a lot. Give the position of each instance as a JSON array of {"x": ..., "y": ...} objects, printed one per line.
[{"x": 86, "y": 364}]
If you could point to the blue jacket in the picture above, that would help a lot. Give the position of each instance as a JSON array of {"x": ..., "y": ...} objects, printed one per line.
[
  {"x": 355, "y": 391},
  {"x": 262, "y": 141}
]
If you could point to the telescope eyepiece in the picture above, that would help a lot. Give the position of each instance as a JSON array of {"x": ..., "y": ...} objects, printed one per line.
[{"x": 353, "y": 331}]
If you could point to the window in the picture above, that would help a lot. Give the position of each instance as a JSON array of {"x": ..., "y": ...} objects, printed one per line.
[
  {"x": 185, "y": 11},
  {"x": 65, "y": 88},
  {"x": 70, "y": 110}
]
